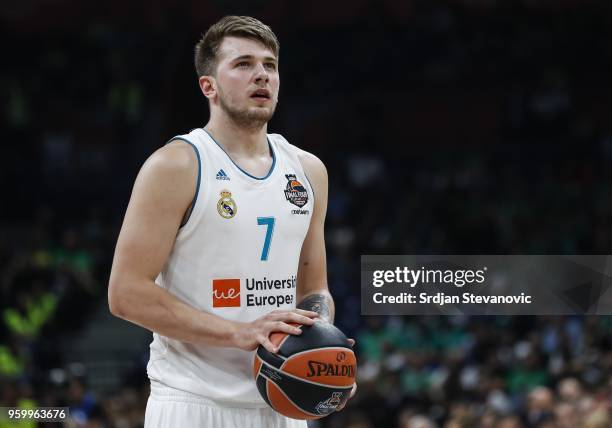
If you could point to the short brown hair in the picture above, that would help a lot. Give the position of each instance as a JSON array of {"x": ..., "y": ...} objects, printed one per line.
[{"x": 207, "y": 48}]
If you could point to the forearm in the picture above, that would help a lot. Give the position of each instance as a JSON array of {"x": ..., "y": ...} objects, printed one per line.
[
  {"x": 157, "y": 310},
  {"x": 319, "y": 301}
]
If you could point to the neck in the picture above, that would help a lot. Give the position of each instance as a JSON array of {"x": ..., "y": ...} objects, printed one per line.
[{"x": 238, "y": 139}]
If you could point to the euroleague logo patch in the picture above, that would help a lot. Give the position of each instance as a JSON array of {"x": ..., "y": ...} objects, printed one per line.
[{"x": 296, "y": 193}]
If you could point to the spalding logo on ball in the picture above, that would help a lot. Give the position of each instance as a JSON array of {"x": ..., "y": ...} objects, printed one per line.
[{"x": 311, "y": 375}]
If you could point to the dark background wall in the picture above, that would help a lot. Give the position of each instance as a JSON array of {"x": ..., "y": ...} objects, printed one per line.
[{"x": 447, "y": 126}]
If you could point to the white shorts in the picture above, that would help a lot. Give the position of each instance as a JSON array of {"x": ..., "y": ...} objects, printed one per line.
[{"x": 173, "y": 409}]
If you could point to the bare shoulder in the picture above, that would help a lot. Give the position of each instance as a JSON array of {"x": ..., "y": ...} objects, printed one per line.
[
  {"x": 317, "y": 176},
  {"x": 177, "y": 157},
  {"x": 313, "y": 167},
  {"x": 170, "y": 175}
]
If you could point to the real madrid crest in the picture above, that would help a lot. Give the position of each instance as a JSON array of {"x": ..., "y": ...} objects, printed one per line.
[{"x": 226, "y": 206}]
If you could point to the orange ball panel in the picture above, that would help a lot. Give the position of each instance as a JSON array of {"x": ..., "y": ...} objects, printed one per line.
[
  {"x": 277, "y": 337},
  {"x": 256, "y": 366},
  {"x": 282, "y": 404}
]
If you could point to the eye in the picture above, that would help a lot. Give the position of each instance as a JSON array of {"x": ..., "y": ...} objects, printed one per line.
[
  {"x": 242, "y": 64},
  {"x": 270, "y": 65}
]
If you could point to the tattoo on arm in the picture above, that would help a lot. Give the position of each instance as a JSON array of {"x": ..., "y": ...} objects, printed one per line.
[{"x": 317, "y": 303}]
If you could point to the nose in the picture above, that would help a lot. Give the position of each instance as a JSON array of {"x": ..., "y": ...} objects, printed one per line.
[{"x": 261, "y": 74}]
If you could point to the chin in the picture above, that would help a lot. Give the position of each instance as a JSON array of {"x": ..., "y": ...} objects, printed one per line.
[
  {"x": 261, "y": 113},
  {"x": 252, "y": 116}
]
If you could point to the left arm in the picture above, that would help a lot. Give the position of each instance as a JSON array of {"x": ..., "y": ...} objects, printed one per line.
[{"x": 312, "y": 290}]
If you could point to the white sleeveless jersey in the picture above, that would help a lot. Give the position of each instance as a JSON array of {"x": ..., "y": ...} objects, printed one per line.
[{"x": 236, "y": 257}]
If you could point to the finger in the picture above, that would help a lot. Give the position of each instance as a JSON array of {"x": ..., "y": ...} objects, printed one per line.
[
  {"x": 301, "y": 319},
  {"x": 265, "y": 342},
  {"x": 284, "y": 327},
  {"x": 351, "y": 342},
  {"x": 343, "y": 405},
  {"x": 293, "y": 317},
  {"x": 310, "y": 314}
]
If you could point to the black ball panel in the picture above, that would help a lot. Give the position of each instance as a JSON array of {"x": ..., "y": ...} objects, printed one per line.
[{"x": 319, "y": 335}]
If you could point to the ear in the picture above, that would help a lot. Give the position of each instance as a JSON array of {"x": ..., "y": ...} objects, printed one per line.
[{"x": 208, "y": 86}]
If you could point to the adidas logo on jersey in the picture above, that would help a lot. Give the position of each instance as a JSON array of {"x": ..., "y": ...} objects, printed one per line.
[{"x": 221, "y": 175}]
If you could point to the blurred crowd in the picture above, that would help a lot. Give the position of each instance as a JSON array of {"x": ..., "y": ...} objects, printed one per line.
[
  {"x": 484, "y": 372},
  {"x": 446, "y": 126}
]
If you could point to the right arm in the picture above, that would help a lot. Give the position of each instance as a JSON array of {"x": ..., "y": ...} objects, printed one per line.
[{"x": 162, "y": 193}]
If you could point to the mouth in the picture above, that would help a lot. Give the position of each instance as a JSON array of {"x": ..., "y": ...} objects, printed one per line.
[{"x": 261, "y": 94}]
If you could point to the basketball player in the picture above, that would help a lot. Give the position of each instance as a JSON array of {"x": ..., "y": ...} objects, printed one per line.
[{"x": 222, "y": 237}]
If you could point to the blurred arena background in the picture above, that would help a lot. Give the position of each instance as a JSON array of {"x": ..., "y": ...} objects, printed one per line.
[{"x": 457, "y": 126}]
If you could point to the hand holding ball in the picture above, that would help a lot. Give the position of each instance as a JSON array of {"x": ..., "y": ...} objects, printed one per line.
[{"x": 311, "y": 375}]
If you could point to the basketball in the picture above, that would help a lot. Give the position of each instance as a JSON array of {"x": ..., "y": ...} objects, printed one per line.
[{"x": 310, "y": 376}]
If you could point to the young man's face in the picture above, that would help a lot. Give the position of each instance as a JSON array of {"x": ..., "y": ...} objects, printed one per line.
[{"x": 247, "y": 81}]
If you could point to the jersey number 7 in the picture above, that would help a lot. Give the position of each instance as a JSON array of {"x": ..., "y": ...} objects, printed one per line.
[{"x": 269, "y": 222}]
